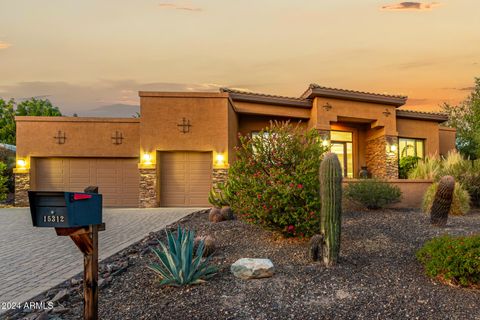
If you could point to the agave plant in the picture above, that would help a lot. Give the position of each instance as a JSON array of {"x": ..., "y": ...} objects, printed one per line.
[{"x": 179, "y": 263}]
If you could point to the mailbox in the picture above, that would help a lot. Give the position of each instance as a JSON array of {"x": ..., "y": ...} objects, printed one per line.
[{"x": 65, "y": 209}]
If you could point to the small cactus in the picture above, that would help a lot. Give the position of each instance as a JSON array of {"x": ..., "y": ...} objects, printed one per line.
[
  {"x": 315, "y": 247},
  {"x": 227, "y": 213},
  {"x": 331, "y": 211},
  {"x": 442, "y": 201},
  {"x": 208, "y": 242}
]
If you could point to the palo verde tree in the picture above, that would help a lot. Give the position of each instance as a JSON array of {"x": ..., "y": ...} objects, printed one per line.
[{"x": 465, "y": 117}]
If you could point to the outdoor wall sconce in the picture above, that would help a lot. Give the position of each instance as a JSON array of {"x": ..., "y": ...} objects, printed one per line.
[
  {"x": 325, "y": 143},
  {"x": 147, "y": 159},
  {"x": 21, "y": 163},
  {"x": 327, "y": 106},
  {"x": 220, "y": 160},
  {"x": 392, "y": 148}
]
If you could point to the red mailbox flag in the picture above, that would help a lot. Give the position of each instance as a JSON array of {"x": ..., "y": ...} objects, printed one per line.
[{"x": 81, "y": 196}]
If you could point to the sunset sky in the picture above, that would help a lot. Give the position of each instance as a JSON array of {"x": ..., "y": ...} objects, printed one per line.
[{"x": 88, "y": 54}]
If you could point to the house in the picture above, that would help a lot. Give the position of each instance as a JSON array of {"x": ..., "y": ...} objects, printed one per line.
[{"x": 183, "y": 142}]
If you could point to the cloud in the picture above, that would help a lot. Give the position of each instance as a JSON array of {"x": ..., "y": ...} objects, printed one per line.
[
  {"x": 410, "y": 6},
  {"x": 173, "y": 6},
  {"x": 4, "y": 45},
  {"x": 86, "y": 99}
]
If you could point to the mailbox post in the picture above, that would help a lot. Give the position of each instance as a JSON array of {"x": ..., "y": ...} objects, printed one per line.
[{"x": 79, "y": 216}]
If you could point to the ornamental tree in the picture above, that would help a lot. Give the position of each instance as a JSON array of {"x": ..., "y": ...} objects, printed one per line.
[{"x": 274, "y": 181}]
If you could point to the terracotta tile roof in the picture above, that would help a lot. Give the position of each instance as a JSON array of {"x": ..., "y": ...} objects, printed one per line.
[
  {"x": 423, "y": 115},
  {"x": 315, "y": 90},
  {"x": 316, "y": 86},
  {"x": 247, "y": 96},
  {"x": 259, "y": 94}
]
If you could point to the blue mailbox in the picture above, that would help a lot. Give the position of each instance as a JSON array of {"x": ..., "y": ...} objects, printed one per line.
[{"x": 65, "y": 209}]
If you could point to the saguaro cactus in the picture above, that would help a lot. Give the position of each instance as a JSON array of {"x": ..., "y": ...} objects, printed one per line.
[
  {"x": 331, "y": 211},
  {"x": 442, "y": 201}
]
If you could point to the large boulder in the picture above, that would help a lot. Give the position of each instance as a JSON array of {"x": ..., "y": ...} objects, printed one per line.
[{"x": 249, "y": 268}]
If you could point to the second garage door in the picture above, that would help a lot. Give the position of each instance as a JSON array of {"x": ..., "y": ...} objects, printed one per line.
[
  {"x": 117, "y": 179},
  {"x": 185, "y": 178}
]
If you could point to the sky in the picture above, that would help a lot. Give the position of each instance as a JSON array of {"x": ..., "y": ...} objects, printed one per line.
[{"x": 92, "y": 57}]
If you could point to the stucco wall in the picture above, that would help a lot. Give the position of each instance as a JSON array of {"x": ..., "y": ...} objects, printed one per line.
[
  {"x": 248, "y": 123},
  {"x": 412, "y": 191},
  {"x": 342, "y": 110},
  {"x": 270, "y": 109},
  {"x": 162, "y": 112},
  {"x": 447, "y": 139},
  {"x": 232, "y": 133},
  {"x": 410, "y": 128},
  {"x": 85, "y": 137}
]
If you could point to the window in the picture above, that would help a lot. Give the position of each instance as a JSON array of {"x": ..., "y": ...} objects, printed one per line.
[
  {"x": 341, "y": 144},
  {"x": 411, "y": 147}
]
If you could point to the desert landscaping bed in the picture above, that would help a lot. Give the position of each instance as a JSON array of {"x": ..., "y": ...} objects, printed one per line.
[{"x": 378, "y": 276}]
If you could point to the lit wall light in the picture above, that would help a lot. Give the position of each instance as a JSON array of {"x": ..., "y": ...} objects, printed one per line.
[
  {"x": 21, "y": 163},
  {"x": 393, "y": 148},
  {"x": 147, "y": 158},
  {"x": 325, "y": 143},
  {"x": 220, "y": 159}
]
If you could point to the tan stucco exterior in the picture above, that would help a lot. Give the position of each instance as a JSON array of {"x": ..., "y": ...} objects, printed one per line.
[
  {"x": 207, "y": 113},
  {"x": 446, "y": 140},
  {"x": 213, "y": 122},
  {"x": 427, "y": 130},
  {"x": 85, "y": 137}
]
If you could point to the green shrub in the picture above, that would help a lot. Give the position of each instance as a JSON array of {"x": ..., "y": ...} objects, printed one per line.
[
  {"x": 3, "y": 181},
  {"x": 407, "y": 164},
  {"x": 430, "y": 168},
  {"x": 179, "y": 264},
  {"x": 454, "y": 259},
  {"x": 274, "y": 181},
  {"x": 216, "y": 196},
  {"x": 460, "y": 202},
  {"x": 8, "y": 158},
  {"x": 465, "y": 171},
  {"x": 372, "y": 193}
]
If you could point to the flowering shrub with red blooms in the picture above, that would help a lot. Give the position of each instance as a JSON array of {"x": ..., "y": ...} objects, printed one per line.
[{"x": 274, "y": 181}]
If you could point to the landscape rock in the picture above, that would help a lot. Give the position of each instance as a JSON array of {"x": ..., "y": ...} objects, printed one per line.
[
  {"x": 250, "y": 268},
  {"x": 215, "y": 215},
  {"x": 42, "y": 316},
  {"x": 60, "y": 295}
]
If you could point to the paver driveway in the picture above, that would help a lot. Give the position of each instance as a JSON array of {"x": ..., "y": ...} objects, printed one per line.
[{"x": 33, "y": 260}]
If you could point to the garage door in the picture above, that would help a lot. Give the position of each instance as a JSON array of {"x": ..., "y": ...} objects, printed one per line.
[
  {"x": 185, "y": 178},
  {"x": 117, "y": 179}
]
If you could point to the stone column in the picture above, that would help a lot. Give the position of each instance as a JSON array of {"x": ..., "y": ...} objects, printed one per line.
[
  {"x": 392, "y": 158},
  {"x": 148, "y": 188},
  {"x": 382, "y": 161},
  {"x": 219, "y": 176},
  {"x": 22, "y": 185}
]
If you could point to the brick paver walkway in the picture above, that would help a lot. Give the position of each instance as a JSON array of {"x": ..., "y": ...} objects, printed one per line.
[{"x": 33, "y": 260}]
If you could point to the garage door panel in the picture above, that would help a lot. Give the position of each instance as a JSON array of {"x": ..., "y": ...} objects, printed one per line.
[
  {"x": 117, "y": 179},
  {"x": 185, "y": 178}
]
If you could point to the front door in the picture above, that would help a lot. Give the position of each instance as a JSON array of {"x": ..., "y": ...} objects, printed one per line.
[{"x": 341, "y": 145}]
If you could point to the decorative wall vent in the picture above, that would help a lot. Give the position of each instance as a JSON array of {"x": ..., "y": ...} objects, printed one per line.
[
  {"x": 184, "y": 127},
  {"x": 117, "y": 138},
  {"x": 60, "y": 137}
]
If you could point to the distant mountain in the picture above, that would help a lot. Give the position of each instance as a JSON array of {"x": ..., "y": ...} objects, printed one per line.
[{"x": 111, "y": 111}]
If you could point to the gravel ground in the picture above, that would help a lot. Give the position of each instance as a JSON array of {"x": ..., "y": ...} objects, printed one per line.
[{"x": 377, "y": 277}]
